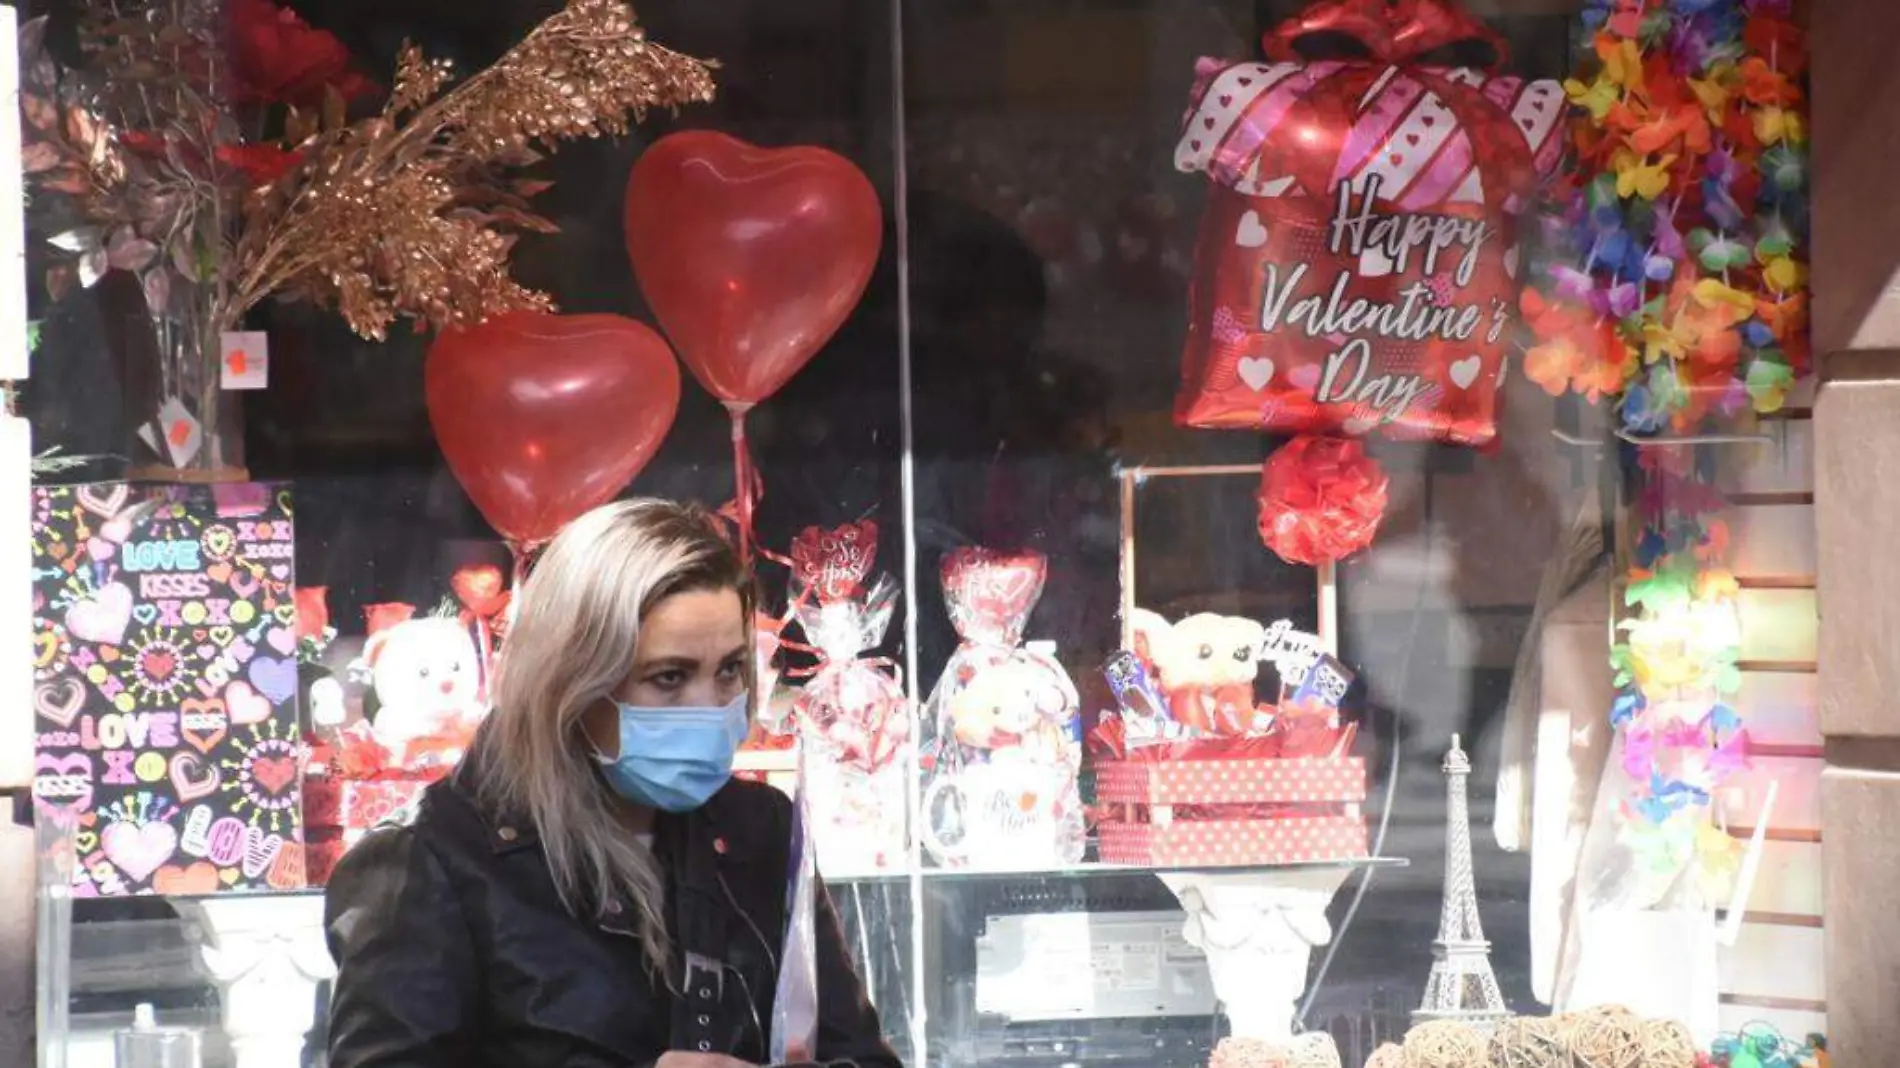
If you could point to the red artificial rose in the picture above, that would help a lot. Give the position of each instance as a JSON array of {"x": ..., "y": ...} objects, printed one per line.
[
  {"x": 278, "y": 58},
  {"x": 261, "y": 164},
  {"x": 313, "y": 612},
  {"x": 1321, "y": 500}
]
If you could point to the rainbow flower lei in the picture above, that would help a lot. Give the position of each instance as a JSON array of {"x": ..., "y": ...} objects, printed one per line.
[
  {"x": 1676, "y": 666},
  {"x": 1677, "y": 286},
  {"x": 1674, "y": 286}
]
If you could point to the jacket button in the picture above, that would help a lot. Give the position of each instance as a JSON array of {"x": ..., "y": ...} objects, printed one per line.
[
  {"x": 704, "y": 1045},
  {"x": 705, "y": 993},
  {"x": 705, "y": 1021},
  {"x": 507, "y": 834}
]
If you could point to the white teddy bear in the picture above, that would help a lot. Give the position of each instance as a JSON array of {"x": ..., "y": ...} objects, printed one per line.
[{"x": 427, "y": 678}]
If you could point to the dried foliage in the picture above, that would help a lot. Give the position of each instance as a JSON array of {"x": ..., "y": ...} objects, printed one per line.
[
  {"x": 407, "y": 213},
  {"x": 139, "y": 161}
]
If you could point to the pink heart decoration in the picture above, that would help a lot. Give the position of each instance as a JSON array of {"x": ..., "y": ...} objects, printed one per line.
[
  {"x": 103, "y": 617},
  {"x": 139, "y": 849},
  {"x": 193, "y": 777},
  {"x": 104, "y": 499},
  {"x": 59, "y": 700},
  {"x": 282, "y": 639},
  {"x": 245, "y": 705},
  {"x": 74, "y": 772}
]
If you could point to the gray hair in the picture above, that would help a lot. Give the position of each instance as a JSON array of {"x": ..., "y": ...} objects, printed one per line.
[{"x": 571, "y": 644}]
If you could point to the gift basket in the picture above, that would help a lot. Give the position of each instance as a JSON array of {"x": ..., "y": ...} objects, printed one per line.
[
  {"x": 1000, "y": 787},
  {"x": 852, "y": 716},
  {"x": 1192, "y": 770}
]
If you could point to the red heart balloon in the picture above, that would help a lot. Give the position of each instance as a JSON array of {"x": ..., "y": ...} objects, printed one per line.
[
  {"x": 751, "y": 258},
  {"x": 542, "y": 417}
]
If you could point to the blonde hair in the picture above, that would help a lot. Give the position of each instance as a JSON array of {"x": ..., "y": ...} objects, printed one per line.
[{"x": 570, "y": 645}]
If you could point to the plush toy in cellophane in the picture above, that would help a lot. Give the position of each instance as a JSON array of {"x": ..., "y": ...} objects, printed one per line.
[{"x": 1001, "y": 790}]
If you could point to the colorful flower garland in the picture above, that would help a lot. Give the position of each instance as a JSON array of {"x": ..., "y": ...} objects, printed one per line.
[
  {"x": 1675, "y": 286},
  {"x": 1679, "y": 286},
  {"x": 1675, "y": 667}
]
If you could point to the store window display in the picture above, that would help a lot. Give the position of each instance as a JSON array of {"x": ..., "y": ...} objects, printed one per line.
[{"x": 1157, "y": 435}]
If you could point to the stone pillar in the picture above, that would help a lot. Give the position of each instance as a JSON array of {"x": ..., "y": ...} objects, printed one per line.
[{"x": 1857, "y": 503}]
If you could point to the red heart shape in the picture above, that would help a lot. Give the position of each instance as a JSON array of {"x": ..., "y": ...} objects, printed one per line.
[
  {"x": 158, "y": 666},
  {"x": 751, "y": 258},
  {"x": 273, "y": 773},
  {"x": 479, "y": 589},
  {"x": 542, "y": 417}
]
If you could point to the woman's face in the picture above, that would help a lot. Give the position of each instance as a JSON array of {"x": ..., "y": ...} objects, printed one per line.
[{"x": 692, "y": 653}]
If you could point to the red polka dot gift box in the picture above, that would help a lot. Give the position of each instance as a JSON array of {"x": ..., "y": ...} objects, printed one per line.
[{"x": 1232, "y": 812}]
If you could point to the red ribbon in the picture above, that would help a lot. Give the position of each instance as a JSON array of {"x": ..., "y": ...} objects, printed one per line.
[
  {"x": 1390, "y": 31},
  {"x": 1393, "y": 34},
  {"x": 1321, "y": 500},
  {"x": 748, "y": 485}
]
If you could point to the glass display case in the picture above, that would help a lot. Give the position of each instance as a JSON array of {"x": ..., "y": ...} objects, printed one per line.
[{"x": 979, "y": 392}]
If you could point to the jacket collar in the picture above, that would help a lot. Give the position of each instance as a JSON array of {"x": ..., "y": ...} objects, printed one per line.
[{"x": 690, "y": 843}]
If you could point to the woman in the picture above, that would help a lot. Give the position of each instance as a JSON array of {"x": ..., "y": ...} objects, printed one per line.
[{"x": 590, "y": 889}]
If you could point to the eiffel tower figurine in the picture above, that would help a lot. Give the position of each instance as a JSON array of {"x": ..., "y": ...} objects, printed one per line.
[{"x": 1462, "y": 986}]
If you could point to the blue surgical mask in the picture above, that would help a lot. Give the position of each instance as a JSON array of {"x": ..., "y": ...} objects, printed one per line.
[{"x": 675, "y": 759}]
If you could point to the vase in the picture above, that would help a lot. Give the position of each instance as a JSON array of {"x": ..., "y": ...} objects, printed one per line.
[{"x": 172, "y": 360}]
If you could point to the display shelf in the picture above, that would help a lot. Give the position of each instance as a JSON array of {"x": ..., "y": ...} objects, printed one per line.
[{"x": 1096, "y": 869}]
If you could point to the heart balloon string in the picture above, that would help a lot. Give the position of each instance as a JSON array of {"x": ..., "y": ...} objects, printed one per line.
[{"x": 748, "y": 487}]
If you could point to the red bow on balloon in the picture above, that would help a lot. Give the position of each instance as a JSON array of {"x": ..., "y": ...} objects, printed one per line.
[{"x": 1321, "y": 500}]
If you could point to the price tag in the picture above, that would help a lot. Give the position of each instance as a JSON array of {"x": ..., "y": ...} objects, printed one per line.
[{"x": 244, "y": 359}]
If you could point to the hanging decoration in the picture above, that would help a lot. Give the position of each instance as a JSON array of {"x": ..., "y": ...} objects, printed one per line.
[
  {"x": 1357, "y": 257},
  {"x": 1675, "y": 288},
  {"x": 1321, "y": 500},
  {"x": 751, "y": 258},
  {"x": 1677, "y": 285},
  {"x": 1676, "y": 668},
  {"x": 542, "y": 417}
]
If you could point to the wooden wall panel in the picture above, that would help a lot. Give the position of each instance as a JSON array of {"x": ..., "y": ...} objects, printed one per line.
[
  {"x": 1781, "y": 708},
  {"x": 1785, "y": 466},
  {"x": 1789, "y": 882},
  {"x": 1779, "y": 626},
  {"x": 1770, "y": 961},
  {"x": 1797, "y": 803},
  {"x": 1772, "y": 542}
]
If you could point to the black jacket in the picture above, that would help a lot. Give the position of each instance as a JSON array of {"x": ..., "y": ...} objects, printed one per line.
[{"x": 453, "y": 950}]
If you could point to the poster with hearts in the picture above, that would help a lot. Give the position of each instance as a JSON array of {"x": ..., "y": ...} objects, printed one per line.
[{"x": 165, "y": 656}]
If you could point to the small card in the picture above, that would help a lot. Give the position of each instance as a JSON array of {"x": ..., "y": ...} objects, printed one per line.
[
  {"x": 1291, "y": 652},
  {"x": 182, "y": 434},
  {"x": 244, "y": 359}
]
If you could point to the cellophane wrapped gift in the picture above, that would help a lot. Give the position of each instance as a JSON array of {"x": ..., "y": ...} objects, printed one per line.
[
  {"x": 853, "y": 718},
  {"x": 1357, "y": 264},
  {"x": 426, "y": 681},
  {"x": 1001, "y": 788},
  {"x": 770, "y": 752},
  {"x": 1193, "y": 771}
]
